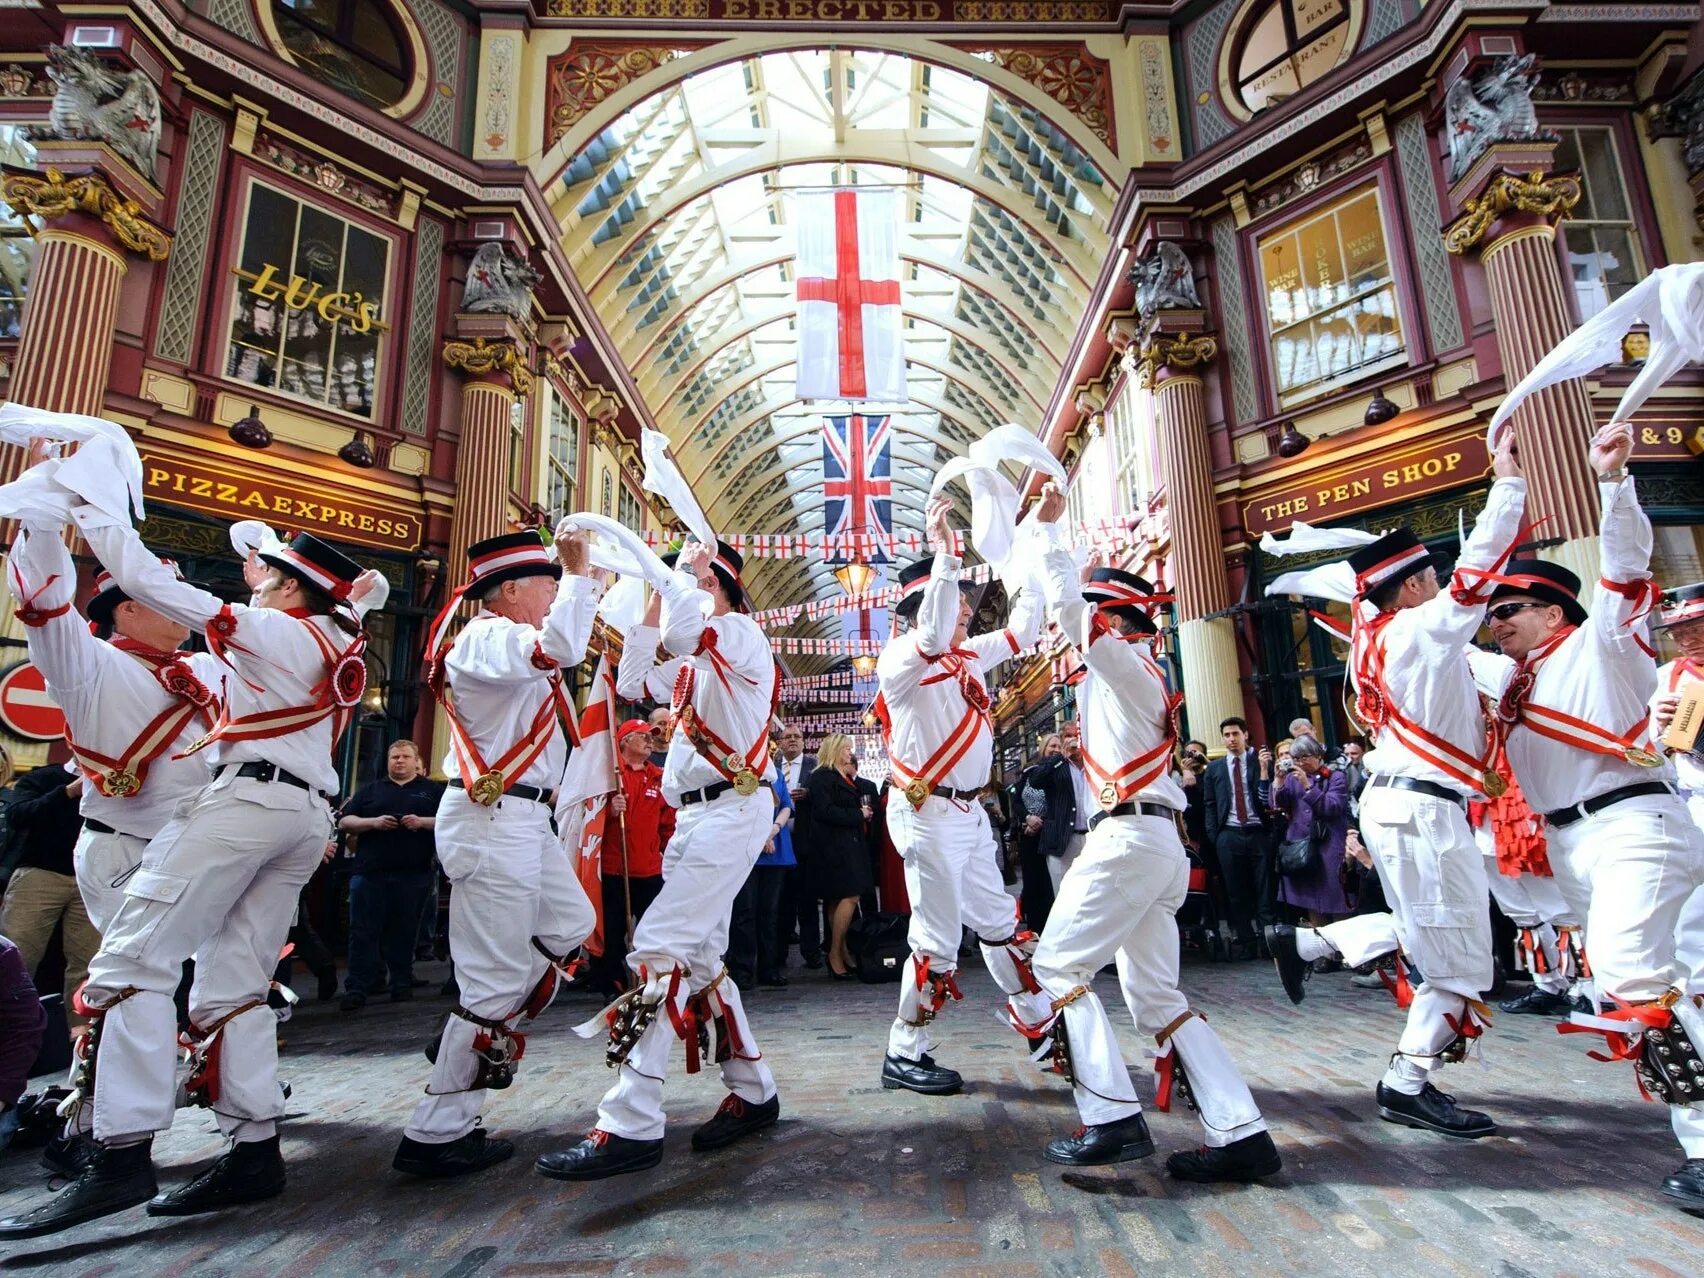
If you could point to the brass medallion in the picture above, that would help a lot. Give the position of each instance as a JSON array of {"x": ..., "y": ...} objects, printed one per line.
[
  {"x": 121, "y": 783},
  {"x": 916, "y": 793},
  {"x": 1642, "y": 758},
  {"x": 487, "y": 789},
  {"x": 745, "y": 783},
  {"x": 1494, "y": 785},
  {"x": 1109, "y": 796}
]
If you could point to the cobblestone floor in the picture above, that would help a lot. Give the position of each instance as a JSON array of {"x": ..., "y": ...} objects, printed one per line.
[{"x": 855, "y": 1180}]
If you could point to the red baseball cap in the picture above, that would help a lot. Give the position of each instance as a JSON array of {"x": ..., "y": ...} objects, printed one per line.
[{"x": 629, "y": 728}]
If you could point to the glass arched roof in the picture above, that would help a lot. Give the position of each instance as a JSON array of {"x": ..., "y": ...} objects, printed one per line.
[{"x": 678, "y": 219}]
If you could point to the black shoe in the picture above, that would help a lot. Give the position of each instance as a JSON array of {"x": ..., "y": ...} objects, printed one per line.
[
  {"x": 467, "y": 1154},
  {"x": 1537, "y": 1002},
  {"x": 1293, "y": 969},
  {"x": 327, "y": 984},
  {"x": 734, "y": 1119},
  {"x": 1580, "y": 1003},
  {"x": 920, "y": 1076},
  {"x": 68, "y": 1156},
  {"x": 1103, "y": 1143},
  {"x": 814, "y": 962},
  {"x": 249, "y": 1172},
  {"x": 114, "y": 1180},
  {"x": 403, "y": 995},
  {"x": 1435, "y": 1111},
  {"x": 1686, "y": 1186},
  {"x": 1242, "y": 1160},
  {"x": 353, "y": 1001},
  {"x": 602, "y": 1154},
  {"x": 775, "y": 982}
]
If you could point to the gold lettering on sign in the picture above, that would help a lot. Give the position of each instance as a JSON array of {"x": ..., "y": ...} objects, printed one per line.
[
  {"x": 833, "y": 10},
  {"x": 299, "y": 294},
  {"x": 203, "y": 487}
]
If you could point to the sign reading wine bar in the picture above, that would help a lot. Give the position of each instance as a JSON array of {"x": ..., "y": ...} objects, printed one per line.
[{"x": 311, "y": 504}]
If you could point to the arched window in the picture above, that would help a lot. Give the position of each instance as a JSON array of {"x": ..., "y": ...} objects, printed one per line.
[
  {"x": 356, "y": 46},
  {"x": 1286, "y": 46}
]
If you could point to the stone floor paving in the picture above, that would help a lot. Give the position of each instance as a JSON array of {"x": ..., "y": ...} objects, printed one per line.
[{"x": 855, "y": 1180}]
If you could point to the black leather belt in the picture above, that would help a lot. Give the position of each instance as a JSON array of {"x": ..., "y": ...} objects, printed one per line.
[
  {"x": 947, "y": 792},
  {"x": 1567, "y": 816},
  {"x": 714, "y": 792},
  {"x": 546, "y": 797},
  {"x": 1421, "y": 787},
  {"x": 1133, "y": 809},
  {"x": 272, "y": 772},
  {"x": 99, "y": 827}
]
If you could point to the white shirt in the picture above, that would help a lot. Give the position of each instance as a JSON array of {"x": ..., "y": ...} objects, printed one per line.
[
  {"x": 790, "y": 769},
  {"x": 1688, "y": 764},
  {"x": 107, "y": 695},
  {"x": 640, "y": 676},
  {"x": 1121, "y": 705},
  {"x": 1426, "y": 671},
  {"x": 923, "y": 716},
  {"x": 737, "y": 711},
  {"x": 497, "y": 680},
  {"x": 1599, "y": 673},
  {"x": 277, "y": 664}
]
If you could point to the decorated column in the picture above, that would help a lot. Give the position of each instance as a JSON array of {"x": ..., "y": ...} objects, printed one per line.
[
  {"x": 497, "y": 379},
  {"x": 1207, "y": 646}
]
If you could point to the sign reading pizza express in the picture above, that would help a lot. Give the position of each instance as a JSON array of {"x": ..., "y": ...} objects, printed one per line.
[
  {"x": 214, "y": 488},
  {"x": 1336, "y": 492}
]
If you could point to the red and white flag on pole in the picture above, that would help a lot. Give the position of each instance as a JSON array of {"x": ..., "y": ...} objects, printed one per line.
[
  {"x": 850, "y": 343},
  {"x": 586, "y": 787}
]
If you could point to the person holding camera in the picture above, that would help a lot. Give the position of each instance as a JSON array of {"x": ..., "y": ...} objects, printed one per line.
[{"x": 1313, "y": 801}]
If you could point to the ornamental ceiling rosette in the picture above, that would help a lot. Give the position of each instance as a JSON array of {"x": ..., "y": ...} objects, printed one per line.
[
  {"x": 1068, "y": 73},
  {"x": 592, "y": 70}
]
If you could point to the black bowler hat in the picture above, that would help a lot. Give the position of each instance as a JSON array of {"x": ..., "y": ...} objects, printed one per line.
[
  {"x": 316, "y": 562},
  {"x": 104, "y": 602},
  {"x": 912, "y": 579},
  {"x": 1393, "y": 557},
  {"x": 1547, "y": 582},
  {"x": 508, "y": 558},
  {"x": 1124, "y": 594},
  {"x": 727, "y": 564},
  {"x": 1682, "y": 605}
]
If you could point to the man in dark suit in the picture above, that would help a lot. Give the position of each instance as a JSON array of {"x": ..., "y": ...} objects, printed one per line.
[
  {"x": 1236, "y": 786},
  {"x": 1066, "y": 803},
  {"x": 797, "y": 900}
]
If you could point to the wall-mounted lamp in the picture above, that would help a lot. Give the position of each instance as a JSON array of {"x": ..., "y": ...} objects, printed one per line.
[{"x": 250, "y": 431}]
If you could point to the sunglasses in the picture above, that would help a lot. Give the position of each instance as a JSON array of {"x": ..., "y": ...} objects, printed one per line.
[{"x": 1502, "y": 612}]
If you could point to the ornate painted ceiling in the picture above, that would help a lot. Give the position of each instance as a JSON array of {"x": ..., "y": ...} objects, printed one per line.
[{"x": 678, "y": 217}]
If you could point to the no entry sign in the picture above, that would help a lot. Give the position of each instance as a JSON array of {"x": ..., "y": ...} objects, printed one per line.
[{"x": 25, "y": 708}]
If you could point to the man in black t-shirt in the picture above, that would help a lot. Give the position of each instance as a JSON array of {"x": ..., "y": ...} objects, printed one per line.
[
  {"x": 42, "y": 893},
  {"x": 393, "y": 873}
]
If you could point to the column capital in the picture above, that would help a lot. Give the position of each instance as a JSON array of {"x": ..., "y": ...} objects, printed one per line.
[
  {"x": 1178, "y": 352},
  {"x": 483, "y": 360},
  {"x": 55, "y": 195},
  {"x": 1530, "y": 197}
]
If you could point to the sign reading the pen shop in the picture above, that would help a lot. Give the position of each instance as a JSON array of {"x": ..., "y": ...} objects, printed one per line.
[
  {"x": 1383, "y": 479},
  {"x": 309, "y": 505}
]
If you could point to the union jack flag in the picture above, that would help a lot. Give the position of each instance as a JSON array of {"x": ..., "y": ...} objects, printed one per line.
[{"x": 857, "y": 488}]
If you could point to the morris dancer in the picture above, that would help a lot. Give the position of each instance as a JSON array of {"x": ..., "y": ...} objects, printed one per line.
[
  {"x": 517, "y": 910},
  {"x": 133, "y": 704},
  {"x": 1432, "y": 754},
  {"x": 723, "y": 700},
  {"x": 1683, "y": 618},
  {"x": 933, "y": 706},
  {"x": 220, "y": 881},
  {"x": 1120, "y": 900},
  {"x": 1579, "y": 740}
]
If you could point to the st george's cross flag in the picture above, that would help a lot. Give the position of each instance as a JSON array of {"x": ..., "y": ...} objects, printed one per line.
[
  {"x": 848, "y": 288},
  {"x": 857, "y": 488}
]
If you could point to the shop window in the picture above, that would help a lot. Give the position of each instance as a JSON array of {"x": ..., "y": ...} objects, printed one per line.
[
  {"x": 628, "y": 511},
  {"x": 1603, "y": 244},
  {"x": 1331, "y": 302},
  {"x": 306, "y": 317},
  {"x": 356, "y": 46},
  {"x": 17, "y": 245},
  {"x": 562, "y": 478},
  {"x": 1287, "y": 45}
]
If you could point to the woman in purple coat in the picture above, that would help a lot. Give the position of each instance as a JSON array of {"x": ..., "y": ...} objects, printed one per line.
[
  {"x": 1311, "y": 792},
  {"x": 21, "y": 1025}
]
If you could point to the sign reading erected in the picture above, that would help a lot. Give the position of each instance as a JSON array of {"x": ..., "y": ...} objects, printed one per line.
[
  {"x": 25, "y": 708},
  {"x": 1336, "y": 492},
  {"x": 215, "y": 487}
]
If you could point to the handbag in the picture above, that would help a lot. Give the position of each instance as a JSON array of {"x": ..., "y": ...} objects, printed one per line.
[{"x": 1298, "y": 857}]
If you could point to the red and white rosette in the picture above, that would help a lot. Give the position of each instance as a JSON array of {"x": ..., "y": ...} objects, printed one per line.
[
  {"x": 178, "y": 681},
  {"x": 1514, "y": 696},
  {"x": 349, "y": 678}
]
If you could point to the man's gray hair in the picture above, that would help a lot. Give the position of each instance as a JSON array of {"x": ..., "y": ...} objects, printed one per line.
[{"x": 1306, "y": 747}]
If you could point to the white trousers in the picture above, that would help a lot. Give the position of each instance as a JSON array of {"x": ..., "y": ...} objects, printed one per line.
[
  {"x": 511, "y": 881},
  {"x": 952, "y": 874},
  {"x": 1535, "y": 904},
  {"x": 1633, "y": 869},
  {"x": 104, "y": 864},
  {"x": 1058, "y": 865},
  {"x": 1120, "y": 900},
  {"x": 1434, "y": 878},
  {"x": 707, "y": 861},
  {"x": 219, "y": 882}
]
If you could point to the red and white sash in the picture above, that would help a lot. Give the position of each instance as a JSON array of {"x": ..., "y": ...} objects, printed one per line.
[
  {"x": 1118, "y": 785},
  {"x": 123, "y": 775},
  {"x": 1518, "y": 709},
  {"x": 919, "y": 782},
  {"x": 334, "y": 697},
  {"x": 712, "y": 746}
]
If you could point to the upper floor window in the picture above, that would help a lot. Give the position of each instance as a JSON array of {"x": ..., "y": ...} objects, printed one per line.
[
  {"x": 17, "y": 244},
  {"x": 1603, "y": 243},
  {"x": 562, "y": 479},
  {"x": 1287, "y": 46},
  {"x": 628, "y": 511},
  {"x": 355, "y": 46},
  {"x": 306, "y": 319},
  {"x": 517, "y": 447},
  {"x": 1331, "y": 304},
  {"x": 1128, "y": 421}
]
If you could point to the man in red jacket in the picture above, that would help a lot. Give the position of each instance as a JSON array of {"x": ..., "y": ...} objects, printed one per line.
[{"x": 638, "y": 830}]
